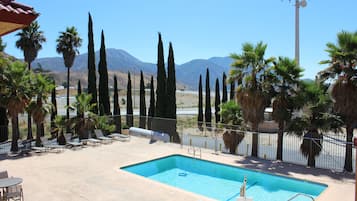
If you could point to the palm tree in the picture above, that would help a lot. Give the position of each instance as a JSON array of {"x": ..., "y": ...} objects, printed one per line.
[
  {"x": 287, "y": 74},
  {"x": 343, "y": 76},
  {"x": 317, "y": 117},
  {"x": 232, "y": 120},
  {"x": 67, "y": 44},
  {"x": 86, "y": 119},
  {"x": 253, "y": 92},
  {"x": 39, "y": 108},
  {"x": 16, "y": 93},
  {"x": 30, "y": 42}
]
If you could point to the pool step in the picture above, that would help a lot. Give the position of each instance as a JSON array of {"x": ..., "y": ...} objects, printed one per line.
[{"x": 301, "y": 194}]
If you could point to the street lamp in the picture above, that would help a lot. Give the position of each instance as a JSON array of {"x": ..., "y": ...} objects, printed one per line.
[{"x": 298, "y": 4}]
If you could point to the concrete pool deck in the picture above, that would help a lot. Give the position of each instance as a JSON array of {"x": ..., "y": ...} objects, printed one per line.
[{"x": 93, "y": 173}]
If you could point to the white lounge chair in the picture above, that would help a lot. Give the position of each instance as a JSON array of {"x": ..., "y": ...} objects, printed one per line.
[
  {"x": 99, "y": 134},
  {"x": 119, "y": 137},
  {"x": 71, "y": 143},
  {"x": 52, "y": 145},
  {"x": 90, "y": 140}
]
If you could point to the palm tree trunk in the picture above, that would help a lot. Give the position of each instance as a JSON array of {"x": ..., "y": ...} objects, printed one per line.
[
  {"x": 29, "y": 119},
  {"x": 348, "y": 154},
  {"x": 38, "y": 135},
  {"x": 255, "y": 140},
  {"x": 15, "y": 133},
  {"x": 279, "y": 151},
  {"x": 311, "y": 160},
  {"x": 68, "y": 129},
  {"x": 29, "y": 127}
]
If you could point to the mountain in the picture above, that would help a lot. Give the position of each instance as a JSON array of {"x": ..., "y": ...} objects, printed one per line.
[
  {"x": 120, "y": 60},
  {"x": 189, "y": 72}
]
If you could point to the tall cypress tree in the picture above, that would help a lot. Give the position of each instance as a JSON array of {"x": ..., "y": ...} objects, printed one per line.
[
  {"x": 79, "y": 92},
  {"x": 151, "y": 112},
  {"x": 161, "y": 95},
  {"x": 104, "y": 103},
  {"x": 208, "y": 110},
  {"x": 129, "y": 104},
  {"x": 116, "y": 112},
  {"x": 171, "y": 95},
  {"x": 200, "y": 105},
  {"x": 171, "y": 85},
  {"x": 92, "y": 77},
  {"x": 232, "y": 92},
  {"x": 224, "y": 90},
  {"x": 217, "y": 103},
  {"x": 54, "y": 131},
  {"x": 142, "y": 119}
]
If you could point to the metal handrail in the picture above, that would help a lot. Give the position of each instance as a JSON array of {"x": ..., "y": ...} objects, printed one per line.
[
  {"x": 301, "y": 194},
  {"x": 194, "y": 150}
]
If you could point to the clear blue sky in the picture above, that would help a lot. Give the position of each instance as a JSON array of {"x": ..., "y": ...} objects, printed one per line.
[{"x": 197, "y": 28}]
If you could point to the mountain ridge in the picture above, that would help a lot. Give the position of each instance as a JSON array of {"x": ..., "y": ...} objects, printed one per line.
[{"x": 122, "y": 61}]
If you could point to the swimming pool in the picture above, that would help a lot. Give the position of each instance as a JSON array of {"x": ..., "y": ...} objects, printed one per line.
[{"x": 223, "y": 182}]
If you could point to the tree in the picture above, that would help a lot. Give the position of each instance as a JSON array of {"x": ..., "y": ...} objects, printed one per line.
[
  {"x": 208, "y": 112},
  {"x": 317, "y": 117},
  {"x": 92, "y": 76},
  {"x": 68, "y": 43},
  {"x": 233, "y": 120},
  {"x": 253, "y": 92},
  {"x": 39, "y": 108},
  {"x": 4, "y": 131},
  {"x": 142, "y": 118},
  {"x": 116, "y": 112},
  {"x": 79, "y": 92},
  {"x": 231, "y": 93},
  {"x": 30, "y": 42},
  {"x": 288, "y": 75},
  {"x": 53, "y": 111},
  {"x": 161, "y": 94},
  {"x": 151, "y": 112},
  {"x": 86, "y": 121},
  {"x": 2, "y": 45},
  {"x": 171, "y": 85},
  {"x": 104, "y": 103},
  {"x": 342, "y": 73},
  {"x": 129, "y": 104},
  {"x": 217, "y": 103},
  {"x": 16, "y": 92},
  {"x": 171, "y": 96},
  {"x": 200, "y": 105},
  {"x": 224, "y": 88}
]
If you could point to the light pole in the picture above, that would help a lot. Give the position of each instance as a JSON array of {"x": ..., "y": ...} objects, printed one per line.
[
  {"x": 298, "y": 3},
  {"x": 355, "y": 143}
]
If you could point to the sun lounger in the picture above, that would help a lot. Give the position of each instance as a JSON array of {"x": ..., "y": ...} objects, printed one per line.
[
  {"x": 52, "y": 145},
  {"x": 99, "y": 134},
  {"x": 119, "y": 137},
  {"x": 26, "y": 147},
  {"x": 71, "y": 143}
]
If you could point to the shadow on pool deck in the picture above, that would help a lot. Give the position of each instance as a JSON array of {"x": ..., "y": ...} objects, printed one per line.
[{"x": 288, "y": 169}]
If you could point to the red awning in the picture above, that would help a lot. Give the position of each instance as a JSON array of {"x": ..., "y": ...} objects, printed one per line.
[{"x": 14, "y": 16}]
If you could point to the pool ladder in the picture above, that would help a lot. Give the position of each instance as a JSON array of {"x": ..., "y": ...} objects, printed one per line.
[
  {"x": 194, "y": 150},
  {"x": 301, "y": 194}
]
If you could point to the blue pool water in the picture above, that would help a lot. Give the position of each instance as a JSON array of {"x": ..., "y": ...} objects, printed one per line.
[{"x": 223, "y": 182}]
